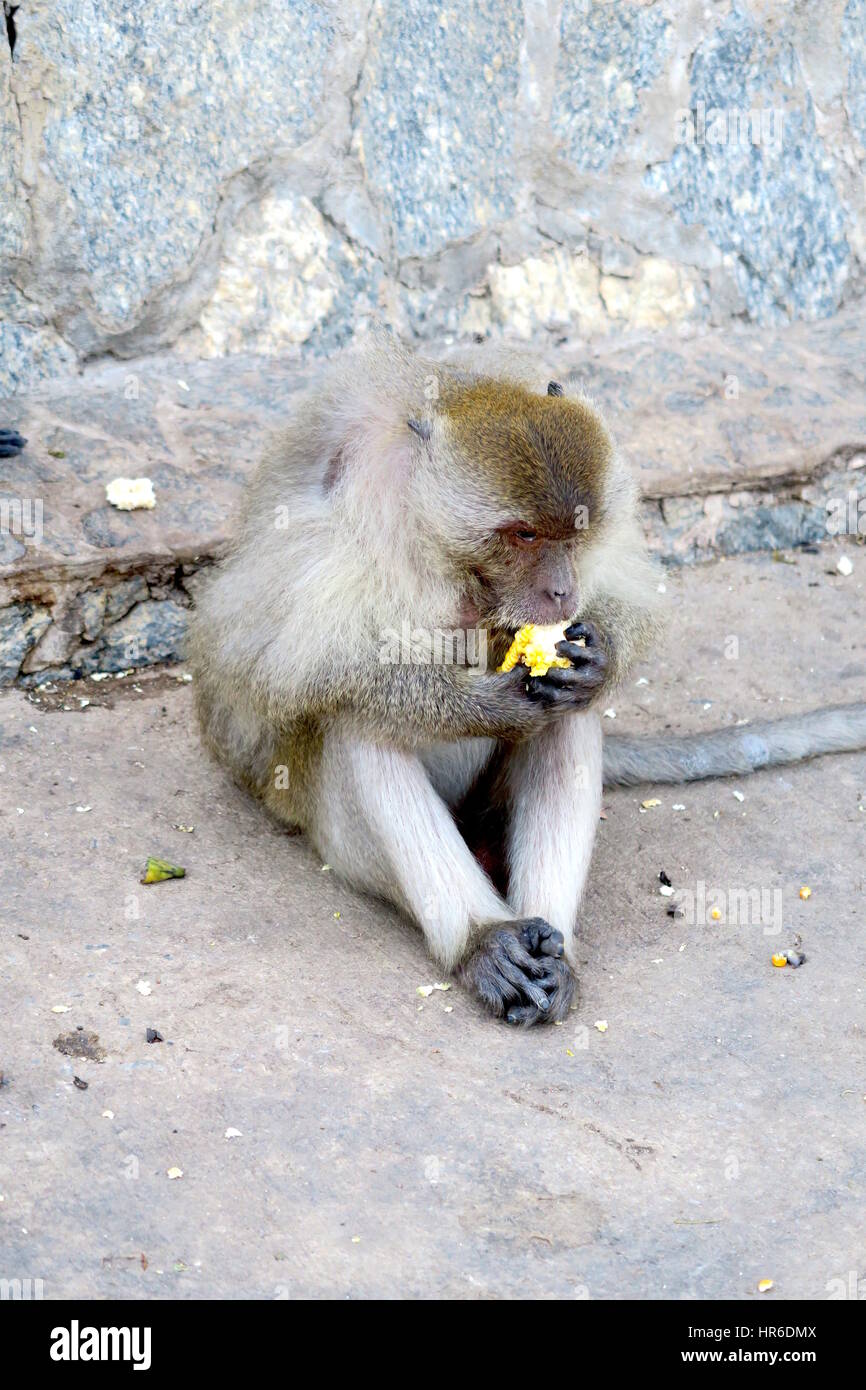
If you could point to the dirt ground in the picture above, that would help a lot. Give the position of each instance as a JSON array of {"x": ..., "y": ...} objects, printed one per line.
[{"x": 395, "y": 1145}]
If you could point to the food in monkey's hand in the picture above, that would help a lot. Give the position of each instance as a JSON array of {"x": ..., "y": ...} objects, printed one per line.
[{"x": 535, "y": 646}]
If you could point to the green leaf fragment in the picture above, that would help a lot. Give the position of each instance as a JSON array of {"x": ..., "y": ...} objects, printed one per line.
[{"x": 158, "y": 870}]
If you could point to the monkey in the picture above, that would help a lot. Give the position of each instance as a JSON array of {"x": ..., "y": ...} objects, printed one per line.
[
  {"x": 11, "y": 443},
  {"x": 436, "y": 498},
  {"x": 408, "y": 498}
]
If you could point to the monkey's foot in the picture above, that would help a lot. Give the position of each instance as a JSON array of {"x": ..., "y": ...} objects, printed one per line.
[{"x": 518, "y": 972}]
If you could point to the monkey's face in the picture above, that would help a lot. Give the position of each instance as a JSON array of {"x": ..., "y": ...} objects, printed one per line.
[
  {"x": 524, "y": 574},
  {"x": 534, "y": 476}
]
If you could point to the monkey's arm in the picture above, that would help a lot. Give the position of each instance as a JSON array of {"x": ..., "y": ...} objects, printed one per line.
[
  {"x": 409, "y": 705},
  {"x": 627, "y": 630}
]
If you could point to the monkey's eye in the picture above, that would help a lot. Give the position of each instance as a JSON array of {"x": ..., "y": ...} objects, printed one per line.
[{"x": 522, "y": 535}]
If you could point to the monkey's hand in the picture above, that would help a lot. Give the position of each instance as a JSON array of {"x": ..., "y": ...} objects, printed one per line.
[
  {"x": 518, "y": 971},
  {"x": 575, "y": 686}
]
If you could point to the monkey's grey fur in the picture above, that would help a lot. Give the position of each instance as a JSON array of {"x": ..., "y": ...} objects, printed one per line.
[{"x": 409, "y": 491}]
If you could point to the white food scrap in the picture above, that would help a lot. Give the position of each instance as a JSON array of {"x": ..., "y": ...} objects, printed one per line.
[{"x": 131, "y": 494}]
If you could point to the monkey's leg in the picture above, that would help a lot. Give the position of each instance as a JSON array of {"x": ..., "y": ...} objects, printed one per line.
[
  {"x": 381, "y": 825},
  {"x": 554, "y": 794}
]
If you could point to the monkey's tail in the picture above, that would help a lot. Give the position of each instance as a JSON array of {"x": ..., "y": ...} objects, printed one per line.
[{"x": 745, "y": 748}]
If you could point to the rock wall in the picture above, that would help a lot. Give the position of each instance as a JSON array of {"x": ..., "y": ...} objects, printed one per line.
[{"x": 265, "y": 177}]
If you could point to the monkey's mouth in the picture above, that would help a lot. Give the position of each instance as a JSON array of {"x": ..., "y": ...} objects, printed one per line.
[
  {"x": 539, "y": 614},
  {"x": 484, "y": 607}
]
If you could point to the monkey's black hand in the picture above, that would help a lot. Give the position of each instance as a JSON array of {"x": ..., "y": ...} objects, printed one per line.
[
  {"x": 572, "y": 687},
  {"x": 518, "y": 971},
  {"x": 11, "y": 443}
]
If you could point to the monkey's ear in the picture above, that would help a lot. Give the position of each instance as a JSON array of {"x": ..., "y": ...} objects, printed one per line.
[
  {"x": 422, "y": 428},
  {"x": 554, "y": 389}
]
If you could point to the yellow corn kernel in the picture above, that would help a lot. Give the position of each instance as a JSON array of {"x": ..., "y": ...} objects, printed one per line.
[
  {"x": 805, "y": 892},
  {"x": 780, "y": 960},
  {"x": 535, "y": 646}
]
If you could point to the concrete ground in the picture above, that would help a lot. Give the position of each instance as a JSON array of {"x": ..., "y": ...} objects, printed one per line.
[{"x": 396, "y": 1145}]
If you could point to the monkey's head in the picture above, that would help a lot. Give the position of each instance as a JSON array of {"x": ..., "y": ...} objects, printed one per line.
[{"x": 521, "y": 487}]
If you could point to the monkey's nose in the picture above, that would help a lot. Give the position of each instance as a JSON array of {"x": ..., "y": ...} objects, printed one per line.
[{"x": 564, "y": 598}]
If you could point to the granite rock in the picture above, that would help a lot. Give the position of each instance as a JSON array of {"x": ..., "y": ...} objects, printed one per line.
[
  {"x": 436, "y": 130},
  {"x": 264, "y": 179},
  {"x": 149, "y": 633},
  {"x": 751, "y": 168},
  {"x": 21, "y": 626},
  {"x": 608, "y": 54}
]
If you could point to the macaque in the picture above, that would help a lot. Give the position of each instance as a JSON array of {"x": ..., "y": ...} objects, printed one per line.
[
  {"x": 408, "y": 498},
  {"x": 411, "y": 517}
]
